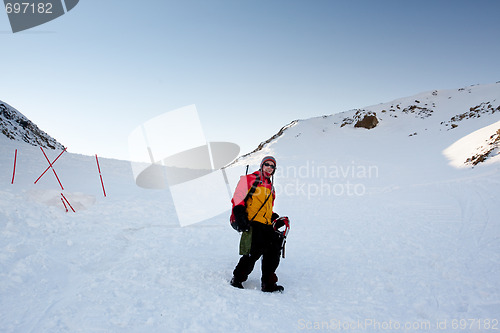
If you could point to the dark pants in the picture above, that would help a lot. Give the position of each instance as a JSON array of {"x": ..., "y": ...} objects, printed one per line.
[{"x": 266, "y": 243}]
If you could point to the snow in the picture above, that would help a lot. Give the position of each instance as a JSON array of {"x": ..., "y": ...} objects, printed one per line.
[
  {"x": 471, "y": 145},
  {"x": 385, "y": 235}
]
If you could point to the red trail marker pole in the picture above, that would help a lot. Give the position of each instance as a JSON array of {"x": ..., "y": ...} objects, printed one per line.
[
  {"x": 68, "y": 203},
  {"x": 64, "y": 205},
  {"x": 99, "y": 169},
  {"x": 14, "y": 172},
  {"x": 50, "y": 164}
]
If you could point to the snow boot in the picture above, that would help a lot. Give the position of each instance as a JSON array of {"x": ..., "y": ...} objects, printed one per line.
[
  {"x": 272, "y": 288},
  {"x": 269, "y": 285},
  {"x": 235, "y": 283}
]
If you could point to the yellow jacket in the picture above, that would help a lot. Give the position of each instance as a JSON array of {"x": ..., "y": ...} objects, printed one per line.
[{"x": 257, "y": 207}]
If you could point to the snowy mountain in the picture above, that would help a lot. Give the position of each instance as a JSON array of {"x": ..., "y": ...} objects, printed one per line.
[
  {"x": 430, "y": 112},
  {"x": 392, "y": 229},
  {"x": 16, "y": 126}
]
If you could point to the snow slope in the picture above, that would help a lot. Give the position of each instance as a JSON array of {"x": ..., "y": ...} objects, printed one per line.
[{"x": 387, "y": 235}]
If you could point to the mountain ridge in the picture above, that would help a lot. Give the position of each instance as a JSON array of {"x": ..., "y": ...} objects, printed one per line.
[
  {"x": 15, "y": 126},
  {"x": 435, "y": 110}
]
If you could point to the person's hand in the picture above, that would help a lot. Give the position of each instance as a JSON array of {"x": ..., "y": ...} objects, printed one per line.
[{"x": 241, "y": 218}]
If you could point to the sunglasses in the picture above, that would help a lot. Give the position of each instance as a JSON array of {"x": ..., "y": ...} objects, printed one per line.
[{"x": 270, "y": 165}]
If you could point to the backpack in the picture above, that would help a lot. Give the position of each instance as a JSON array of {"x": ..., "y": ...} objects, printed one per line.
[{"x": 251, "y": 191}]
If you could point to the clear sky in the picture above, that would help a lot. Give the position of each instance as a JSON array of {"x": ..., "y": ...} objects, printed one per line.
[{"x": 91, "y": 76}]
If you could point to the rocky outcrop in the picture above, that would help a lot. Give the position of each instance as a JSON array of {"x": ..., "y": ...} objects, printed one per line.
[
  {"x": 16, "y": 126},
  {"x": 368, "y": 121},
  {"x": 362, "y": 119}
]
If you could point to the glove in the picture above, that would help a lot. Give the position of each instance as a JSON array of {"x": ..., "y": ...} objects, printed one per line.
[
  {"x": 241, "y": 218},
  {"x": 277, "y": 224},
  {"x": 274, "y": 217}
]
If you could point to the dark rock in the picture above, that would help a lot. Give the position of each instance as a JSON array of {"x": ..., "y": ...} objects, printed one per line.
[{"x": 369, "y": 121}]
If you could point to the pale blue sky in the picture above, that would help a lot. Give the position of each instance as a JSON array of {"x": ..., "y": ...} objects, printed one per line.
[{"x": 91, "y": 76}]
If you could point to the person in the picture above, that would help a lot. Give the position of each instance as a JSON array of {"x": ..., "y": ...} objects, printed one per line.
[{"x": 254, "y": 211}]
